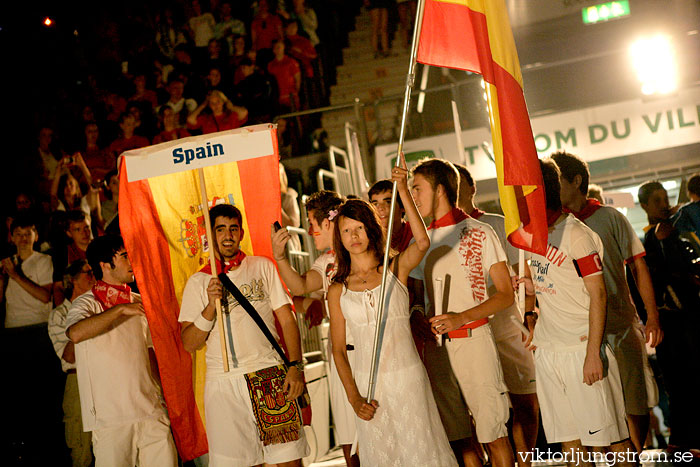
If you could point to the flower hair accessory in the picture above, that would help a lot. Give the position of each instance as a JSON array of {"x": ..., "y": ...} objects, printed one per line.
[{"x": 332, "y": 214}]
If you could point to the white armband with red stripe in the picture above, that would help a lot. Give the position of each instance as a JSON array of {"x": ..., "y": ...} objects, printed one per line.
[{"x": 588, "y": 265}]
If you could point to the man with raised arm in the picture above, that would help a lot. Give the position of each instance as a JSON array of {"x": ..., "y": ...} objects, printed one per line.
[
  {"x": 321, "y": 208},
  {"x": 623, "y": 329},
  {"x": 380, "y": 197},
  {"x": 119, "y": 385},
  {"x": 236, "y": 434},
  {"x": 464, "y": 254}
]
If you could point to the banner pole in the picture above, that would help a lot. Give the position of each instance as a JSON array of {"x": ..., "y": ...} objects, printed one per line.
[
  {"x": 212, "y": 262},
  {"x": 521, "y": 274},
  {"x": 410, "y": 78}
]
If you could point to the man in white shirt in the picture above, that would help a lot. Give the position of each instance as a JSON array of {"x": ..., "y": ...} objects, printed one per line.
[
  {"x": 80, "y": 280},
  {"x": 120, "y": 393},
  {"x": 28, "y": 277},
  {"x": 34, "y": 377},
  {"x": 578, "y": 381},
  {"x": 516, "y": 360},
  {"x": 464, "y": 254},
  {"x": 235, "y": 432}
]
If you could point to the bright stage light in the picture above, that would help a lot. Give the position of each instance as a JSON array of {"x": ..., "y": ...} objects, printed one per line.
[{"x": 654, "y": 61}]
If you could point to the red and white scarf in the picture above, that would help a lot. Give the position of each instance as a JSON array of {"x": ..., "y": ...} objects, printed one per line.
[
  {"x": 227, "y": 265},
  {"x": 110, "y": 295},
  {"x": 455, "y": 216},
  {"x": 591, "y": 206}
]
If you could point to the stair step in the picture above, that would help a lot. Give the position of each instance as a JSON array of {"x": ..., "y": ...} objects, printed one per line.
[
  {"x": 397, "y": 67},
  {"x": 367, "y": 94}
]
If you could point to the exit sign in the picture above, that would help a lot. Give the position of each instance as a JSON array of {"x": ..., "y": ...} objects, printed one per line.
[{"x": 605, "y": 11}]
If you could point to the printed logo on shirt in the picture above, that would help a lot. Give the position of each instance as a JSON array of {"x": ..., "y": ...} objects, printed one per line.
[
  {"x": 539, "y": 277},
  {"x": 254, "y": 292},
  {"x": 555, "y": 256},
  {"x": 471, "y": 246}
]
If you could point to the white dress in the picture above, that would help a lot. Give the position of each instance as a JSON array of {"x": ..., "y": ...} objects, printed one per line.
[{"x": 406, "y": 429}]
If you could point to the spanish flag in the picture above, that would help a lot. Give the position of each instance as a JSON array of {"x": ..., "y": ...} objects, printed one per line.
[
  {"x": 161, "y": 218},
  {"x": 475, "y": 35}
]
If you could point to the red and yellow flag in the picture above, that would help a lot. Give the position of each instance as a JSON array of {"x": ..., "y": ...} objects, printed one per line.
[
  {"x": 162, "y": 221},
  {"x": 475, "y": 35}
]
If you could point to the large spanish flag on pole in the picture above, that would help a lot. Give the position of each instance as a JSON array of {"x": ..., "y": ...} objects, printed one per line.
[
  {"x": 162, "y": 221},
  {"x": 475, "y": 35}
]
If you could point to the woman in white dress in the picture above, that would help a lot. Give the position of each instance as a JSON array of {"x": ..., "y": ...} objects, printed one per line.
[{"x": 401, "y": 427}]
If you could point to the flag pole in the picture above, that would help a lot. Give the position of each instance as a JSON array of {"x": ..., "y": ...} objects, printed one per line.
[
  {"x": 458, "y": 133},
  {"x": 410, "y": 78},
  {"x": 212, "y": 262}
]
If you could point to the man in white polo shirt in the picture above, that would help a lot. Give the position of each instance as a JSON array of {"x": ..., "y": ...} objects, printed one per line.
[
  {"x": 236, "y": 434},
  {"x": 120, "y": 394},
  {"x": 465, "y": 253},
  {"x": 578, "y": 382}
]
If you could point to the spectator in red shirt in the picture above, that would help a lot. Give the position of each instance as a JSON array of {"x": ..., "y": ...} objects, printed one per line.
[
  {"x": 222, "y": 115},
  {"x": 300, "y": 48},
  {"x": 266, "y": 28},
  {"x": 97, "y": 159},
  {"x": 128, "y": 139},
  {"x": 169, "y": 125},
  {"x": 142, "y": 94},
  {"x": 288, "y": 75}
]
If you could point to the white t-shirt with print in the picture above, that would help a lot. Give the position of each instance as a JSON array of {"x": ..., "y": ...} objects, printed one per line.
[
  {"x": 327, "y": 268},
  {"x": 561, "y": 294},
  {"x": 258, "y": 281},
  {"x": 462, "y": 255}
]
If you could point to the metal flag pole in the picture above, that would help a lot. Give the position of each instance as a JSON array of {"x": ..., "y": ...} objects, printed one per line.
[
  {"x": 458, "y": 134},
  {"x": 212, "y": 263},
  {"x": 410, "y": 77}
]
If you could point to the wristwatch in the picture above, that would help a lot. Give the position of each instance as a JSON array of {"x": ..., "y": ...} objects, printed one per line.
[{"x": 298, "y": 364}]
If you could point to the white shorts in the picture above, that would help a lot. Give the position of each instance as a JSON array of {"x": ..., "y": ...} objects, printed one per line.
[
  {"x": 573, "y": 410},
  {"x": 147, "y": 443},
  {"x": 232, "y": 431},
  {"x": 448, "y": 397},
  {"x": 478, "y": 371},
  {"x": 640, "y": 392},
  {"x": 343, "y": 413},
  {"x": 518, "y": 364}
]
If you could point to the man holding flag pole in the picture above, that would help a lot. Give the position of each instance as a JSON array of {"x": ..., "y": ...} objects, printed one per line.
[{"x": 235, "y": 432}]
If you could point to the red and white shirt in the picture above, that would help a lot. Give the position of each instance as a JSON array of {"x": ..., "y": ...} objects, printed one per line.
[{"x": 574, "y": 251}]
